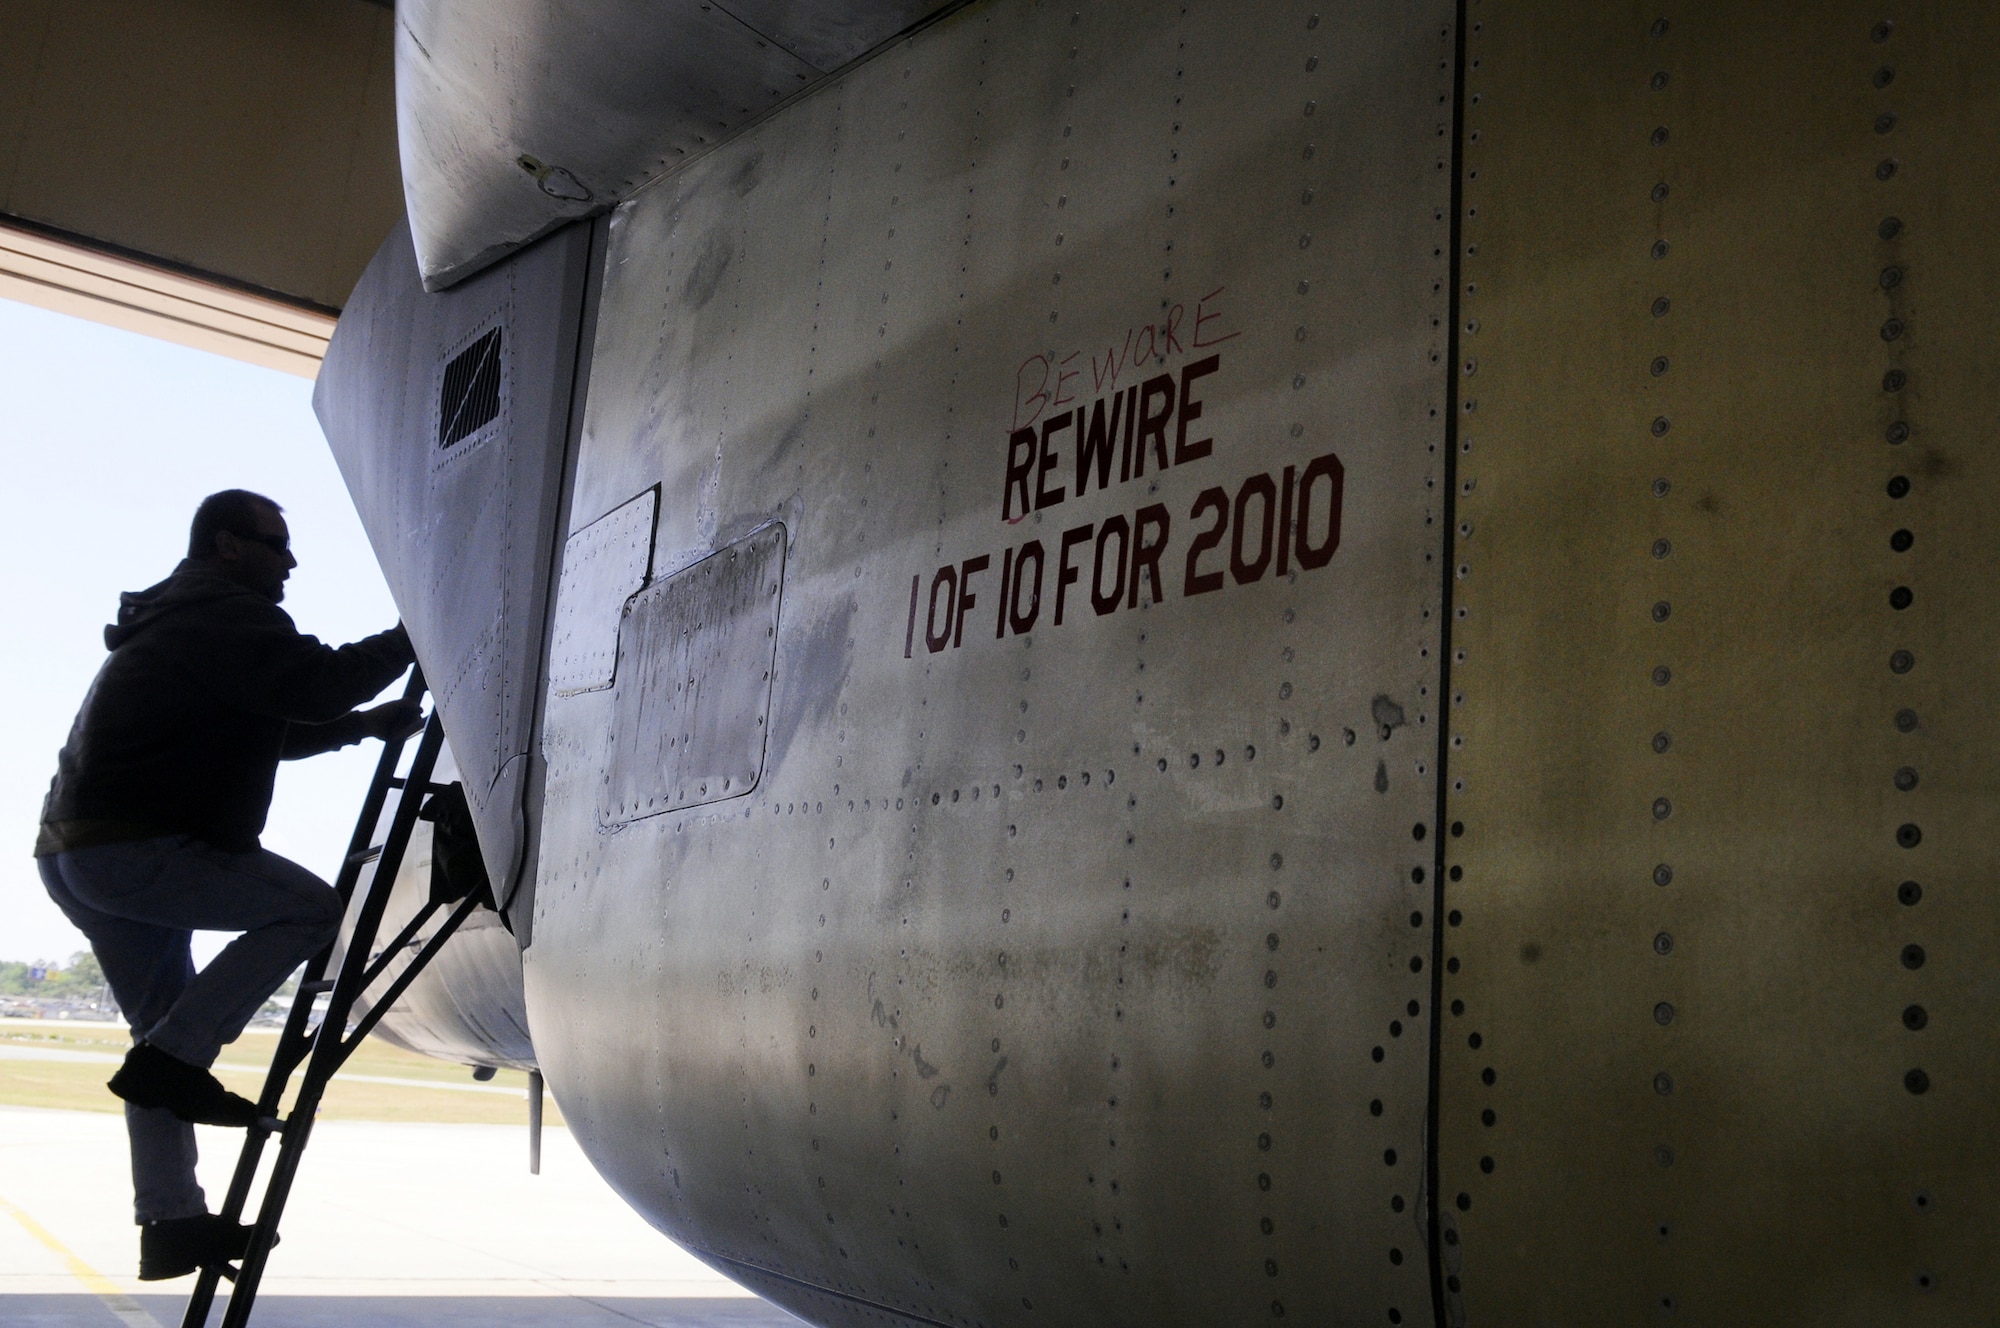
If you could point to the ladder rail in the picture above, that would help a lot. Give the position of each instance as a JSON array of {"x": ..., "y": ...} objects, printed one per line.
[
  {"x": 300, "y": 1043},
  {"x": 380, "y": 1006},
  {"x": 329, "y": 1050}
]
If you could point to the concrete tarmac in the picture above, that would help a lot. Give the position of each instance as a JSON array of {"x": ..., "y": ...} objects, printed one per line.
[{"x": 390, "y": 1225}]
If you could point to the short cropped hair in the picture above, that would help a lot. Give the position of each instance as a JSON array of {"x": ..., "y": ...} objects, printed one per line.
[{"x": 233, "y": 510}]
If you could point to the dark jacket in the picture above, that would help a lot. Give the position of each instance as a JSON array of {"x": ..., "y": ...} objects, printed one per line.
[{"x": 208, "y": 687}]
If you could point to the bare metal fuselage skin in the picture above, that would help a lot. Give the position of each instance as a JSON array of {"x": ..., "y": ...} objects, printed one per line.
[{"x": 1123, "y": 666}]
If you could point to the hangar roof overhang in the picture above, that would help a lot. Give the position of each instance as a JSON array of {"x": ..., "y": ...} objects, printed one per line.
[{"x": 219, "y": 172}]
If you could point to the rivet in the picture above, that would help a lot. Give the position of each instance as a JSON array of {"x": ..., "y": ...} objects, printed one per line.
[
  {"x": 1660, "y": 81},
  {"x": 1662, "y": 741},
  {"x": 1901, "y": 661},
  {"x": 1886, "y": 169},
  {"x": 1884, "y": 76},
  {"x": 1923, "y": 1201},
  {"x": 1906, "y": 721},
  {"x": 1915, "y": 1017},
  {"x": 1909, "y": 894},
  {"x": 1663, "y": 875},
  {"x": 1898, "y": 434},
  {"x": 1895, "y": 380},
  {"x": 1661, "y": 548},
  {"x": 1906, "y": 778},
  {"x": 1919, "y": 1083},
  {"x": 1891, "y": 278},
  {"x": 1885, "y": 122},
  {"x": 1660, "y": 28},
  {"x": 1882, "y": 31},
  {"x": 1660, "y": 192},
  {"x": 1892, "y": 329},
  {"x": 1660, "y": 426},
  {"x": 1899, "y": 487},
  {"x": 1900, "y": 598},
  {"x": 1659, "y": 135},
  {"x": 1661, "y": 488},
  {"x": 1664, "y": 1155},
  {"x": 1890, "y": 228},
  {"x": 1663, "y": 1013},
  {"x": 1662, "y": 809},
  {"x": 1663, "y": 1083},
  {"x": 1659, "y": 365},
  {"x": 1661, "y": 305},
  {"x": 1909, "y": 834},
  {"x": 1662, "y": 676}
]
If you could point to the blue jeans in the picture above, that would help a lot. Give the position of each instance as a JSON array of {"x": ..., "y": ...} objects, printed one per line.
[{"x": 138, "y": 902}]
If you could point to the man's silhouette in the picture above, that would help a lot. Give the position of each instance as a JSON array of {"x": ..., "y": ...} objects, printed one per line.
[{"x": 150, "y": 832}]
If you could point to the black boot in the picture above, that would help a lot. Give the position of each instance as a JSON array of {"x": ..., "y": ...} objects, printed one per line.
[
  {"x": 151, "y": 1078},
  {"x": 179, "y": 1245}
]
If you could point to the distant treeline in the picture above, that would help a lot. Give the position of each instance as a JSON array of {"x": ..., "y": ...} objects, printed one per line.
[{"x": 82, "y": 979}]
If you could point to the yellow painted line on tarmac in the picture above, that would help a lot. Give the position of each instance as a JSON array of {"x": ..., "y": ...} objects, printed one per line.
[{"x": 127, "y": 1310}]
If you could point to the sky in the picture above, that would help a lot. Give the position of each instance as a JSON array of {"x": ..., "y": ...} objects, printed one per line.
[{"x": 109, "y": 439}]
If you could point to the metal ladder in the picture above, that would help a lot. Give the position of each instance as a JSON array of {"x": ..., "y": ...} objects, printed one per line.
[{"x": 325, "y": 1046}]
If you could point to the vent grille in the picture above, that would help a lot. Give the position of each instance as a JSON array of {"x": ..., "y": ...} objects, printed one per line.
[{"x": 470, "y": 398}]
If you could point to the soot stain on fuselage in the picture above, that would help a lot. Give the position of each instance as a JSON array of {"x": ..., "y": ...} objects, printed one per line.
[
  {"x": 705, "y": 277},
  {"x": 811, "y": 676}
]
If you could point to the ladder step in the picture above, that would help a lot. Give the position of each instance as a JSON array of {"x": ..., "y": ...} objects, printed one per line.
[
  {"x": 315, "y": 988},
  {"x": 227, "y": 1271},
  {"x": 368, "y": 854},
  {"x": 428, "y": 786}
]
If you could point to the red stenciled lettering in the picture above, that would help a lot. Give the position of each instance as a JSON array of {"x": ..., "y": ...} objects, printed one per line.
[
  {"x": 1020, "y": 465},
  {"x": 1151, "y": 424},
  {"x": 1006, "y": 588},
  {"x": 1044, "y": 497},
  {"x": 1018, "y": 620},
  {"x": 1100, "y": 599},
  {"x": 966, "y": 599},
  {"x": 910, "y": 632},
  {"x": 1314, "y": 556},
  {"x": 1184, "y": 451},
  {"x": 1097, "y": 445},
  {"x": 1285, "y": 521},
  {"x": 1248, "y": 570},
  {"x": 1145, "y": 553},
  {"x": 1199, "y": 582},
  {"x": 1202, "y": 317},
  {"x": 937, "y": 638},
  {"x": 1131, "y": 420},
  {"x": 1066, "y": 576},
  {"x": 1039, "y": 398}
]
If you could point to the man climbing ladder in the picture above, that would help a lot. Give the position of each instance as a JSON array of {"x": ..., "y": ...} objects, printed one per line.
[{"x": 151, "y": 826}]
